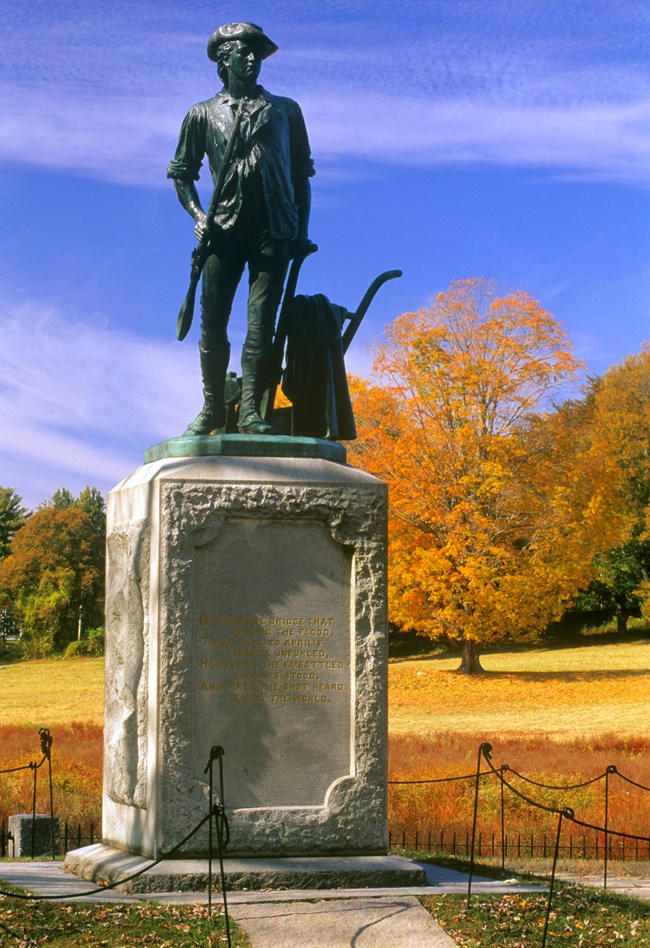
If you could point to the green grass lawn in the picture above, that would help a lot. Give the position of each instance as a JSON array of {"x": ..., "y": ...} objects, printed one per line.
[
  {"x": 579, "y": 917},
  {"x": 587, "y": 689},
  {"x": 144, "y": 923}
]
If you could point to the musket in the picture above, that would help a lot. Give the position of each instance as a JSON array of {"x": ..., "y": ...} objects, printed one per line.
[
  {"x": 280, "y": 338},
  {"x": 201, "y": 252}
]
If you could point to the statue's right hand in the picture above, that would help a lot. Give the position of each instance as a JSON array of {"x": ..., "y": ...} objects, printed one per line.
[{"x": 201, "y": 228}]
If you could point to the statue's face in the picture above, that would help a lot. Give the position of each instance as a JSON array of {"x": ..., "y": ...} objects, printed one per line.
[{"x": 244, "y": 62}]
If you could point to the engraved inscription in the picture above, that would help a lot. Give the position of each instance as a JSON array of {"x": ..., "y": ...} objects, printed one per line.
[
  {"x": 272, "y": 646},
  {"x": 274, "y": 658}
]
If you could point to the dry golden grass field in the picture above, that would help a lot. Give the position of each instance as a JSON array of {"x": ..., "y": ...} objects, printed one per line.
[
  {"x": 549, "y": 713},
  {"x": 51, "y": 692},
  {"x": 561, "y": 693},
  {"x": 559, "y": 716}
]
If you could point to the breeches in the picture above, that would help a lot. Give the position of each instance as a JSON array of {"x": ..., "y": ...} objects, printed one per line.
[{"x": 267, "y": 261}]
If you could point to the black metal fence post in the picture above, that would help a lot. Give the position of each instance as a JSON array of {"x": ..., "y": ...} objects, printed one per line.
[
  {"x": 503, "y": 768},
  {"x": 568, "y": 813},
  {"x": 608, "y": 771},
  {"x": 486, "y": 749},
  {"x": 35, "y": 772},
  {"x": 218, "y": 813},
  {"x": 211, "y": 798},
  {"x": 46, "y": 750}
]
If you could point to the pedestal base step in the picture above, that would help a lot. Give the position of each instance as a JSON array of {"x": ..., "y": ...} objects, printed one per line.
[{"x": 106, "y": 864}]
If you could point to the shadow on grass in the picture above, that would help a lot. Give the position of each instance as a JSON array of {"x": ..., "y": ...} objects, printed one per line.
[
  {"x": 601, "y": 674},
  {"x": 559, "y": 676},
  {"x": 417, "y": 648},
  {"x": 11, "y": 654},
  {"x": 482, "y": 869},
  {"x": 433, "y": 654}
]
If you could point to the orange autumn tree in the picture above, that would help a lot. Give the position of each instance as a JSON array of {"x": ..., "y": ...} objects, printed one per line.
[
  {"x": 54, "y": 574},
  {"x": 619, "y": 418},
  {"x": 495, "y": 511}
]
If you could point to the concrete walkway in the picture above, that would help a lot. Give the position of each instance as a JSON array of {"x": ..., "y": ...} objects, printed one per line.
[
  {"x": 365, "y": 921},
  {"x": 336, "y": 918},
  {"x": 616, "y": 885}
]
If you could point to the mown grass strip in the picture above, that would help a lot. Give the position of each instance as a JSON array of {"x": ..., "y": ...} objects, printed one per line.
[
  {"x": 592, "y": 690},
  {"x": 579, "y": 917},
  {"x": 138, "y": 923}
]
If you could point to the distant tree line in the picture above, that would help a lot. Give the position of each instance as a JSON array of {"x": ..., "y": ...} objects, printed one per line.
[{"x": 52, "y": 569}]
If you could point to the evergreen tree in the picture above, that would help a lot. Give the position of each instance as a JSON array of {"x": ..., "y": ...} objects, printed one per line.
[{"x": 12, "y": 517}]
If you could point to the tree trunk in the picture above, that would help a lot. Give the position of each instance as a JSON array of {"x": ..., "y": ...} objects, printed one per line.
[
  {"x": 471, "y": 662},
  {"x": 621, "y": 620}
]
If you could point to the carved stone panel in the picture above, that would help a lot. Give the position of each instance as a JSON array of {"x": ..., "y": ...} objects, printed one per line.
[{"x": 272, "y": 667}]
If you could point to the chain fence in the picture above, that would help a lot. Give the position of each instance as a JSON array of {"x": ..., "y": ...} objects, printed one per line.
[
  {"x": 565, "y": 814},
  {"x": 608, "y": 842},
  {"x": 215, "y": 818},
  {"x": 600, "y": 844}
]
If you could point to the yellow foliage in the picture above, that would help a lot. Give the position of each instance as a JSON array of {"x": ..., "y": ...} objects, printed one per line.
[{"x": 497, "y": 504}]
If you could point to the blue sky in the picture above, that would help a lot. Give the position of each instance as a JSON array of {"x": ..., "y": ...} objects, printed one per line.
[{"x": 452, "y": 139}]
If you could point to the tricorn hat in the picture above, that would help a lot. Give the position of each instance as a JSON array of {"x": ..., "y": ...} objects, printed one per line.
[{"x": 245, "y": 32}]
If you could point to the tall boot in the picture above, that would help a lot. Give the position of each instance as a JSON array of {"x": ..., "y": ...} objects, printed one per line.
[
  {"x": 254, "y": 384},
  {"x": 214, "y": 364}
]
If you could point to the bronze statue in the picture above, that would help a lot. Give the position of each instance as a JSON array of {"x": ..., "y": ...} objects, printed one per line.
[{"x": 260, "y": 160}]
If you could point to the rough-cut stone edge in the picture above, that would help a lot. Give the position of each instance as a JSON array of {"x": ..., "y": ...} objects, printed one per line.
[
  {"x": 353, "y": 818},
  {"x": 127, "y": 647},
  {"x": 106, "y": 865}
]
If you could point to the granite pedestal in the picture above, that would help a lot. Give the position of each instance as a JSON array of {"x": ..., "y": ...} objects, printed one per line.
[{"x": 246, "y": 607}]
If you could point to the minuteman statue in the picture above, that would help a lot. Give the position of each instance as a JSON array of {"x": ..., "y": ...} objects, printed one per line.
[{"x": 261, "y": 219}]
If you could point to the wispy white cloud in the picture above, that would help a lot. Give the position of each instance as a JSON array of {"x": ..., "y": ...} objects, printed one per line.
[
  {"x": 82, "y": 402},
  {"x": 611, "y": 142},
  {"x": 506, "y": 89},
  {"x": 131, "y": 145},
  {"x": 100, "y": 89}
]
